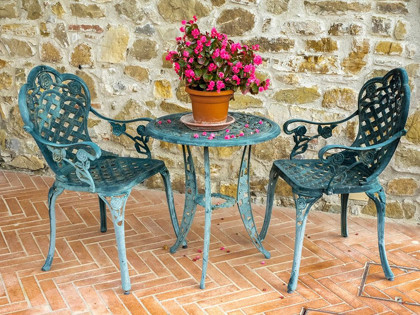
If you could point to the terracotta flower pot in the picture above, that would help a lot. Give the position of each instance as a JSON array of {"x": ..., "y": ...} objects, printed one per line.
[{"x": 210, "y": 107}]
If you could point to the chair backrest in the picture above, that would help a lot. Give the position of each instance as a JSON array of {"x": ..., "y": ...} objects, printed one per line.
[
  {"x": 383, "y": 110},
  {"x": 55, "y": 107}
]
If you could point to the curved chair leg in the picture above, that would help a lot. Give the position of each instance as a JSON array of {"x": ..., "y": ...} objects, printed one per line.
[
  {"x": 303, "y": 204},
  {"x": 53, "y": 193},
  {"x": 344, "y": 202},
  {"x": 274, "y": 175},
  {"x": 244, "y": 203},
  {"x": 116, "y": 205},
  {"x": 190, "y": 205},
  {"x": 380, "y": 201},
  {"x": 102, "y": 211}
]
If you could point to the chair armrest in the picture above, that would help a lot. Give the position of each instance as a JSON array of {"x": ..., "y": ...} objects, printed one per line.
[
  {"x": 342, "y": 162},
  {"x": 299, "y": 133},
  {"x": 119, "y": 127},
  {"x": 80, "y": 162}
]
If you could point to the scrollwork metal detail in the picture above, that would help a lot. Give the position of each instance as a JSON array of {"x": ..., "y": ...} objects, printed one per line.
[
  {"x": 367, "y": 157},
  {"x": 325, "y": 132},
  {"x": 75, "y": 87},
  {"x": 118, "y": 129},
  {"x": 45, "y": 80}
]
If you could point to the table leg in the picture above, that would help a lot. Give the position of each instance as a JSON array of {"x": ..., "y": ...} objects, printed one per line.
[
  {"x": 244, "y": 202},
  {"x": 190, "y": 205},
  {"x": 207, "y": 222}
]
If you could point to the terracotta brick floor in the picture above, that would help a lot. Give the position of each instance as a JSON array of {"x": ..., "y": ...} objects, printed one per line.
[{"x": 84, "y": 278}]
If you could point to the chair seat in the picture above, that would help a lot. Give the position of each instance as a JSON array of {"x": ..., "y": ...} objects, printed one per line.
[
  {"x": 113, "y": 174},
  {"x": 313, "y": 176}
]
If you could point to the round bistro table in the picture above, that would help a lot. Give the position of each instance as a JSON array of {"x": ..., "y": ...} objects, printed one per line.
[{"x": 245, "y": 131}]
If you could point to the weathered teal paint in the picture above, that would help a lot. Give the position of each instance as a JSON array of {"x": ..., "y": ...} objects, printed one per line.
[
  {"x": 382, "y": 112},
  {"x": 247, "y": 130},
  {"x": 55, "y": 109}
]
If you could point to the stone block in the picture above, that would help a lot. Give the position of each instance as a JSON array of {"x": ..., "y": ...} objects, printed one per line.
[
  {"x": 407, "y": 157},
  {"x": 3, "y": 63},
  {"x": 245, "y": 101},
  {"x": 277, "y": 6},
  {"x": 307, "y": 27},
  {"x": 381, "y": 25},
  {"x": 337, "y": 7},
  {"x": 178, "y": 10},
  {"x": 58, "y": 9},
  {"x": 137, "y": 72},
  {"x": 325, "y": 44},
  {"x": 33, "y": 8},
  {"x": 6, "y": 81},
  {"x": 163, "y": 89},
  {"x": 19, "y": 29},
  {"x": 229, "y": 189},
  {"x": 400, "y": 31},
  {"x": 218, "y": 3},
  {"x": 82, "y": 56},
  {"x": 50, "y": 53},
  {"x": 402, "y": 187},
  {"x": 60, "y": 34},
  {"x": 29, "y": 162},
  {"x": 388, "y": 48},
  {"x": 131, "y": 10},
  {"x": 18, "y": 48},
  {"x": 147, "y": 29},
  {"x": 355, "y": 62},
  {"x": 235, "y": 22},
  {"x": 409, "y": 209},
  {"x": 300, "y": 95},
  {"x": 340, "y": 29},
  {"x": 90, "y": 82},
  {"x": 413, "y": 126},
  {"x": 392, "y": 7},
  {"x": 172, "y": 108},
  {"x": 271, "y": 44},
  {"x": 144, "y": 49},
  {"x": 92, "y": 11},
  {"x": 114, "y": 44},
  {"x": 351, "y": 130},
  {"x": 93, "y": 28},
  {"x": 314, "y": 64},
  {"x": 344, "y": 98},
  {"x": 8, "y": 11}
]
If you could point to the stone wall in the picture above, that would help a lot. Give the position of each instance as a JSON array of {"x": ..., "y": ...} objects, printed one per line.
[{"x": 317, "y": 54}]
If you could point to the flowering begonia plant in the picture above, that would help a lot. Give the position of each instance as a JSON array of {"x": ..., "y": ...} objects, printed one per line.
[{"x": 212, "y": 62}]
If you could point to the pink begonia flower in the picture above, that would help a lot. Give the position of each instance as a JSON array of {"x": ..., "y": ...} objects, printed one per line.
[
  {"x": 211, "y": 67},
  {"x": 177, "y": 66},
  {"x": 188, "y": 44},
  {"x": 160, "y": 122},
  {"x": 241, "y": 134},
  {"x": 257, "y": 60},
  {"x": 216, "y": 53},
  {"x": 186, "y": 54},
  {"x": 196, "y": 136},
  {"x": 191, "y": 60},
  {"x": 260, "y": 122},
  {"x": 182, "y": 29},
  {"x": 239, "y": 65},
  {"x": 169, "y": 121},
  {"x": 222, "y": 248},
  {"x": 257, "y": 130},
  {"x": 208, "y": 43},
  {"x": 256, "y": 47},
  {"x": 214, "y": 32},
  {"x": 221, "y": 75},
  {"x": 220, "y": 85},
  {"x": 263, "y": 262},
  {"x": 260, "y": 89},
  {"x": 211, "y": 86},
  {"x": 232, "y": 136},
  {"x": 204, "y": 133},
  {"x": 246, "y": 125},
  {"x": 235, "y": 69},
  {"x": 178, "y": 38},
  {"x": 227, "y": 130},
  {"x": 195, "y": 32},
  {"x": 183, "y": 22},
  {"x": 227, "y": 137}
]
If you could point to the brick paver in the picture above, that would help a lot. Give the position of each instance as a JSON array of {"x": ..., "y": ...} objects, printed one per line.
[{"x": 85, "y": 279}]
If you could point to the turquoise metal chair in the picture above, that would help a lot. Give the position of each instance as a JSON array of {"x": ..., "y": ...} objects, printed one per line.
[
  {"x": 382, "y": 113},
  {"x": 55, "y": 109}
]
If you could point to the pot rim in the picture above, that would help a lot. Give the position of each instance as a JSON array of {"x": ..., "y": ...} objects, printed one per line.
[{"x": 210, "y": 93}]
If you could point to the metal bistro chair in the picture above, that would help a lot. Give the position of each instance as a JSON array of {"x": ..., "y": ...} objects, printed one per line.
[
  {"x": 382, "y": 111},
  {"x": 55, "y": 109}
]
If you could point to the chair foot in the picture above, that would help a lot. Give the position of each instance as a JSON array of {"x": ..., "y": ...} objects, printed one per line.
[
  {"x": 344, "y": 203},
  {"x": 184, "y": 246},
  {"x": 127, "y": 292}
]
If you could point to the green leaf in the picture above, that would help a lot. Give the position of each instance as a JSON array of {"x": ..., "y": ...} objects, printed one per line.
[
  {"x": 198, "y": 72},
  {"x": 207, "y": 76}
]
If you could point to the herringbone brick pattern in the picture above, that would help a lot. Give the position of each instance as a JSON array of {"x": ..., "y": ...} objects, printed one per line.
[{"x": 85, "y": 279}]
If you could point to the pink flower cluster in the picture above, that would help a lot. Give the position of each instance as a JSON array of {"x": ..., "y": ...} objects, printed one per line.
[{"x": 212, "y": 62}]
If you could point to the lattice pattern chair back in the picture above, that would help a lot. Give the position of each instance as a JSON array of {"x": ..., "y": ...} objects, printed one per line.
[
  {"x": 383, "y": 111},
  {"x": 57, "y": 109}
]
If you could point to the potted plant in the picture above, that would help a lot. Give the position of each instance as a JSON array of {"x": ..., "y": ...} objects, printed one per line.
[{"x": 213, "y": 66}]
